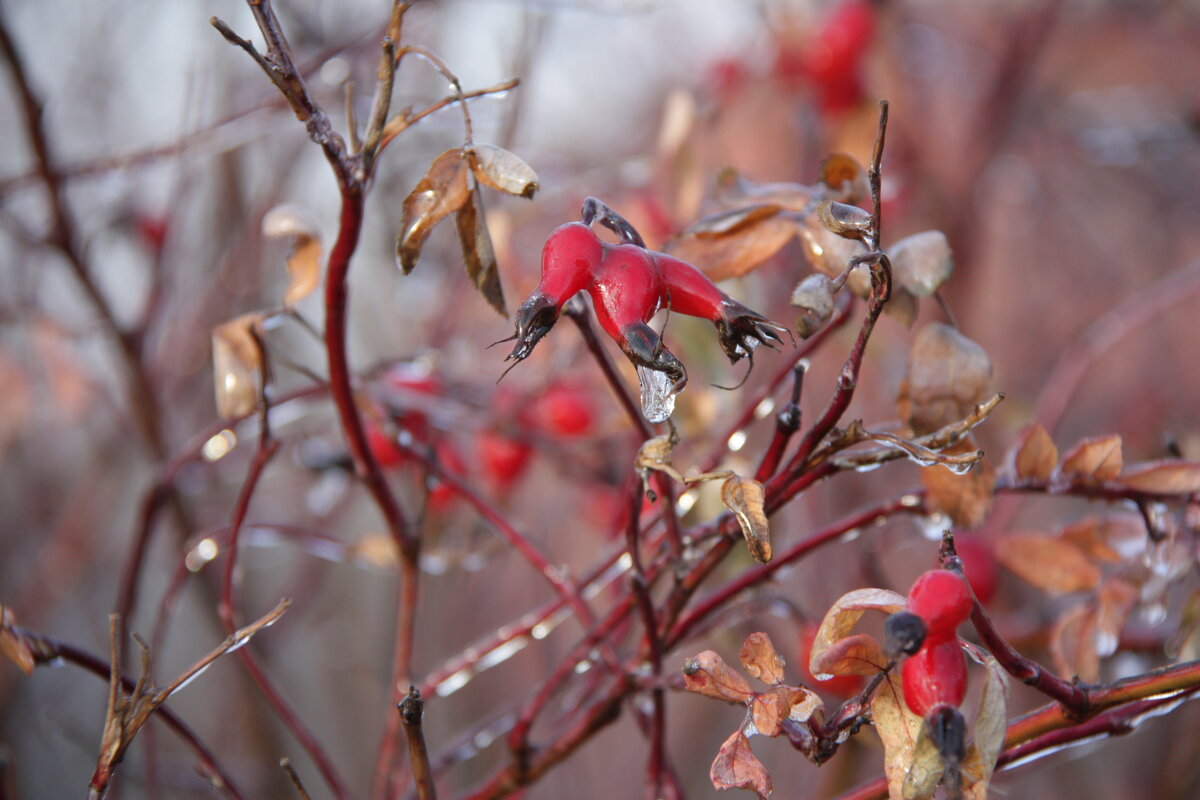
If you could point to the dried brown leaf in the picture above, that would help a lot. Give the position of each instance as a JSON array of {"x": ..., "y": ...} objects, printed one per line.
[
  {"x": 769, "y": 709},
  {"x": 1098, "y": 458},
  {"x": 1052, "y": 565},
  {"x": 744, "y": 497},
  {"x": 857, "y": 654},
  {"x": 925, "y": 770},
  {"x": 479, "y": 256},
  {"x": 1170, "y": 476},
  {"x": 734, "y": 243},
  {"x": 504, "y": 171},
  {"x": 734, "y": 190},
  {"x": 709, "y": 675},
  {"x": 12, "y": 646},
  {"x": 843, "y": 615},
  {"x": 304, "y": 260},
  {"x": 847, "y": 221},
  {"x": 948, "y": 374},
  {"x": 238, "y": 365},
  {"x": 901, "y": 306},
  {"x": 736, "y": 767},
  {"x": 900, "y": 730},
  {"x": 442, "y": 191},
  {"x": 921, "y": 263},
  {"x": 991, "y": 725},
  {"x": 1091, "y": 535},
  {"x": 761, "y": 660},
  {"x": 1034, "y": 455},
  {"x": 965, "y": 499},
  {"x": 1073, "y": 645},
  {"x": 830, "y": 254}
]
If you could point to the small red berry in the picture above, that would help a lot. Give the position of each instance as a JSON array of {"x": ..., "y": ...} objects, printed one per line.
[
  {"x": 503, "y": 459},
  {"x": 942, "y": 599},
  {"x": 935, "y": 676},
  {"x": 387, "y": 453},
  {"x": 564, "y": 410}
]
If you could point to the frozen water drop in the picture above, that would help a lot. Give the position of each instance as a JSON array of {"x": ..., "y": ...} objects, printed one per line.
[
  {"x": 658, "y": 399},
  {"x": 933, "y": 526},
  {"x": 1105, "y": 642}
]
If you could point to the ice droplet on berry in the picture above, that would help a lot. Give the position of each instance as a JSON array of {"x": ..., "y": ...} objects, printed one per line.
[{"x": 658, "y": 398}]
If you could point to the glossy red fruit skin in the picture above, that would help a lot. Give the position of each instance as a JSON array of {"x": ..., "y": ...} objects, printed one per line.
[
  {"x": 387, "y": 454},
  {"x": 942, "y": 599},
  {"x": 936, "y": 675},
  {"x": 503, "y": 459},
  {"x": 564, "y": 410}
]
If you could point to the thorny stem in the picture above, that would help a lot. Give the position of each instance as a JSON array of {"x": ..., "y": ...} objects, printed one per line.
[{"x": 412, "y": 709}]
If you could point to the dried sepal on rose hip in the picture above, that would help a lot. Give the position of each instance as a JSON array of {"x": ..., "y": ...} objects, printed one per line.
[{"x": 628, "y": 285}]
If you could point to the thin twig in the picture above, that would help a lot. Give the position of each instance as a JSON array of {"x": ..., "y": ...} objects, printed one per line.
[{"x": 412, "y": 709}]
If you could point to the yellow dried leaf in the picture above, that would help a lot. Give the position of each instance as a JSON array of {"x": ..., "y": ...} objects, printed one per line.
[
  {"x": 1170, "y": 476},
  {"x": 769, "y": 709},
  {"x": 989, "y": 728},
  {"x": 843, "y": 616},
  {"x": 12, "y": 646},
  {"x": 442, "y": 191},
  {"x": 1035, "y": 455},
  {"x": 761, "y": 660},
  {"x": 709, "y": 675},
  {"x": 748, "y": 242},
  {"x": 1095, "y": 459},
  {"x": 238, "y": 365},
  {"x": 479, "y": 256},
  {"x": 745, "y": 497},
  {"x": 736, "y": 767},
  {"x": 858, "y": 654},
  {"x": 1073, "y": 645},
  {"x": 304, "y": 260},
  {"x": 499, "y": 169},
  {"x": 1052, "y": 565},
  {"x": 900, "y": 730}
]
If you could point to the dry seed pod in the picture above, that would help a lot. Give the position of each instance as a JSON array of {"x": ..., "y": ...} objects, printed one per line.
[
  {"x": 847, "y": 221},
  {"x": 922, "y": 262},
  {"x": 814, "y": 297}
]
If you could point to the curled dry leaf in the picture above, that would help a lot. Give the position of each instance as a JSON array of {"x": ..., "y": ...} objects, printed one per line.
[
  {"x": 1034, "y": 455},
  {"x": 901, "y": 306},
  {"x": 921, "y": 263},
  {"x": 442, "y": 191},
  {"x": 238, "y": 365},
  {"x": 948, "y": 374},
  {"x": 733, "y": 243},
  {"x": 499, "y": 169},
  {"x": 304, "y": 260},
  {"x": 734, "y": 190},
  {"x": 965, "y": 499},
  {"x": 479, "y": 256},
  {"x": 1051, "y": 564},
  {"x": 843, "y": 616},
  {"x": 814, "y": 297},
  {"x": 830, "y": 254},
  {"x": 1073, "y": 645},
  {"x": 745, "y": 497},
  {"x": 709, "y": 675},
  {"x": 13, "y": 646},
  {"x": 991, "y": 725},
  {"x": 1103, "y": 538},
  {"x": 925, "y": 770},
  {"x": 736, "y": 767},
  {"x": 1170, "y": 476},
  {"x": 761, "y": 660},
  {"x": 1097, "y": 459},
  {"x": 1115, "y": 599},
  {"x": 857, "y": 654}
]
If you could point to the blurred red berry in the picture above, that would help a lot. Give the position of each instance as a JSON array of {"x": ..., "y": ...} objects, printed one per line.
[
  {"x": 387, "y": 453},
  {"x": 979, "y": 565},
  {"x": 564, "y": 410},
  {"x": 503, "y": 459}
]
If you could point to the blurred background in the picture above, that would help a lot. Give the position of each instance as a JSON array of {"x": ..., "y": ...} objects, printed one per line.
[{"x": 1055, "y": 142}]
